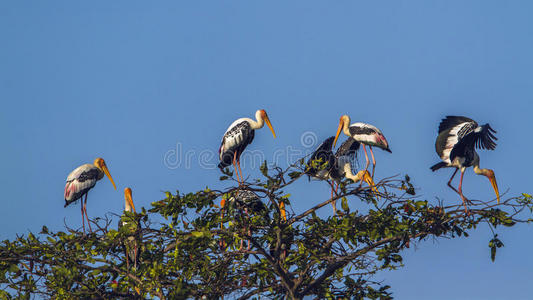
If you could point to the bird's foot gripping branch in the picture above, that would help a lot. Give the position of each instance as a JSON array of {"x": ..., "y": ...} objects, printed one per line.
[{"x": 188, "y": 246}]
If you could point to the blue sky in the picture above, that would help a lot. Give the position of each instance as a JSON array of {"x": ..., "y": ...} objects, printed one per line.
[{"x": 130, "y": 81}]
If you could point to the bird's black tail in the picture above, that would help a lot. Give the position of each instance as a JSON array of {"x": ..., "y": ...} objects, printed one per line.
[{"x": 438, "y": 166}]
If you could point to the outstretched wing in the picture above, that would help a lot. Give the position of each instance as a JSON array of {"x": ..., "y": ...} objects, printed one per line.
[
  {"x": 452, "y": 121},
  {"x": 481, "y": 137}
]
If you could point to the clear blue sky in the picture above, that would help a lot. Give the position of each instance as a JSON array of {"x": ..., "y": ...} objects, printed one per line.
[{"x": 130, "y": 80}]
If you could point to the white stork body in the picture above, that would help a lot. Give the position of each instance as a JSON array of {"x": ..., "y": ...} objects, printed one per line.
[
  {"x": 458, "y": 137},
  {"x": 81, "y": 180},
  {"x": 239, "y": 135},
  {"x": 365, "y": 134}
]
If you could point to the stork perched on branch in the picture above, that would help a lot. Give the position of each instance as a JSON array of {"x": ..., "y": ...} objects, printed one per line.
[
  {"x": 81, "y": 180},
  {"x": 458, "y": 137},
  {"x": 127, "y": 221},
  {"x": 325, "y": 165},
  {"x": 239, "y": 135},
  {"x": 365, "y": 134}
]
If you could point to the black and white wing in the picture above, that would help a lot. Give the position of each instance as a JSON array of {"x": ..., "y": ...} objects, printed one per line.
[
  {"x": 482, "y": 137},
  {"x": 322, "y": 155},
  {"x": 79, "y": 181},
  {"x": 348, "y": 148},
  {"x": 250, "y": 200},
  {"x": 451, "y": 130},
  {"x": 345, "y": 156},
  {"x": 239, "y": 135}
]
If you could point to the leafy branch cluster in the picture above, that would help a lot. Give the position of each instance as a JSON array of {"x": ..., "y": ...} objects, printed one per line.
[{"x": 199, "y": 251}]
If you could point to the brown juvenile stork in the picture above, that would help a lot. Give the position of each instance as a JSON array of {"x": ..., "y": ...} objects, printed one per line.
[
  {"x": 458, "y": 137},
  {"x": 239, "y": 135},
  {"x": 81, "y": 180},
  {"x": 365, "y": 134}
]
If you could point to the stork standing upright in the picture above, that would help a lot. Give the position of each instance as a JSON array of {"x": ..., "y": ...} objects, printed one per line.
[
  {"x": 458, "y": 137},
  {"x": 81, "y": 180},
  {"x": 323, "y": 164},
  {"x": 365, "y": 134},
  {"x": 239, "y": 135},
  {"x": 131, "y": 244}
]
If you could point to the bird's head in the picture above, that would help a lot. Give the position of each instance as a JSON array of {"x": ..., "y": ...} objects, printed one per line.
[
  {"x": 263, "y": 115},
  {"x": 100, "y": 164},
  {"x": 344, "y": 122},
  {"x": 129, "y": 200}
]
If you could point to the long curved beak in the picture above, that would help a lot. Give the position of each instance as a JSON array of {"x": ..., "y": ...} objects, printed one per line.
[
  {"x": 267, "y": 121},
  {"x": 492, "y": 180},
  {"x": 338, "y": 133},
  {"x": 106, "y": 171},
  {"x": 127, "y": 195},
  {"x": 282, "y": 211}
]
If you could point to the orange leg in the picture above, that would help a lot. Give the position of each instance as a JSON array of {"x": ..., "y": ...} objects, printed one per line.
[
  {"x": 240, "y": 171},
  {"x": 367, "y": 164},
  {"x": 85, "y": 209},
  {"x": 333, "y": 203},
  {"x": 461, "y": 191},
  {"x": 373, "y": 161},
  {"x": 82, "y": 215},
  {"x": 235, "y": 167}
]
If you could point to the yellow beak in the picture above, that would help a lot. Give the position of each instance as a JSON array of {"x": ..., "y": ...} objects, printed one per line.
[
  {"x": 492, "y": 179},
  {"x": 267, "y": 121},
  {"x": 127, "y": 195},
  {"x": 282, "y": 211},
  {"x": 338, "y": 133},
  {"x": 106, "y": 171}
]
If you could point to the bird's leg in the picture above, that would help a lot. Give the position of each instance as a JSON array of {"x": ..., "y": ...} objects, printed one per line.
[
  {"x": 450, "y": 182},
  {"x": 240, "y": 171},
  {"x": 235, "y": 167},
  {"x": 373, "y": 161},
  {"x": 465, "y": 200},
  {"x": 333, "y": 203},
  {"x": 85, "y": 209},
  {"x": 366, "y": 167},
  {"x": 82, "y": 215}
]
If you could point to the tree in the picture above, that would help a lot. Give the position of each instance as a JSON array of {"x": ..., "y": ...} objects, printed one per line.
[{"x": 198, "y": 251}]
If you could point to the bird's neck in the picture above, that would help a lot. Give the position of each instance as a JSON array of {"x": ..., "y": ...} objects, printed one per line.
[
  {"x": 346, "y": 126},
  {"x": 477, "y": 169},
  {"x": 480, "y": 171},
  {"x": 127, "y": 207},
  {"x": 258, "y": 123}
]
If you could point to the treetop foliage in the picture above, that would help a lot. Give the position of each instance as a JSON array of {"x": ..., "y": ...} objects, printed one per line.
[{"x": 247, "y": 249}]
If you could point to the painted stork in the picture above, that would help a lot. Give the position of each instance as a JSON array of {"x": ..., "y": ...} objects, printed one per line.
[
  {"x": 250, "y": 202},
  {"x": 323, "y": 164},
  {"x": 458, "y": 137},
  {"x": 131, "y": 246},
  {"x": 81, "y": 180},
  {"x": 239, "y": 135},
  {"x": 365, "y": 134}
]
